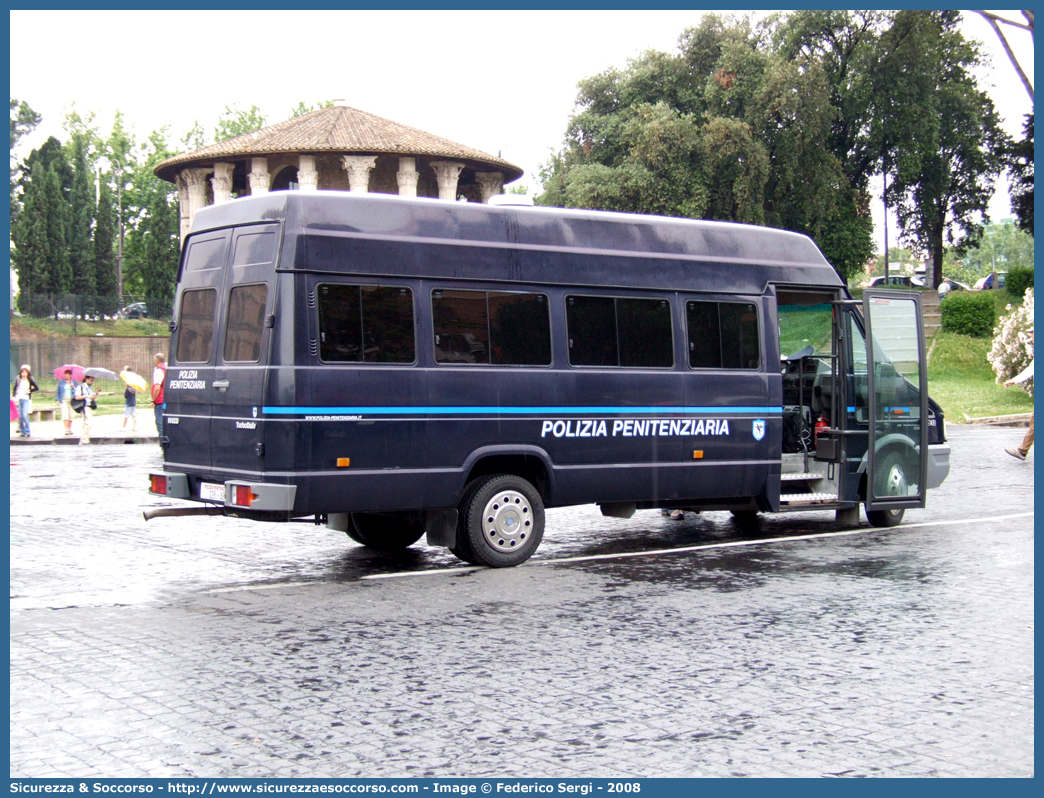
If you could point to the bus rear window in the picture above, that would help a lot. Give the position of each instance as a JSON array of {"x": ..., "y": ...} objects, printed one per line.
[
  {"x": 246, "y": 320},
  {"x": 499, "y": 328},
  {"x": 254, "y": 248},
  {"x": 208, "y": 253},
  {"x": 196, "y": 325},
  {"x": 622, "y": 331},
  {"x": 723, "y": 335},
  {"x": 366, "y": 324}
]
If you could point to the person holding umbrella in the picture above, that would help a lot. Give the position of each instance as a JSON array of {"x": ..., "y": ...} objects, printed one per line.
[
  {"x": 130, "y": 399},
  {"x": 64, "y": 396},
  {"x": 23, "y": 394},
  {"x": 85, "y": 392}
]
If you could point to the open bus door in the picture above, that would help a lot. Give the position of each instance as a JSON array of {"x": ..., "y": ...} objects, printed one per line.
[{"x": 897, "y": 457}]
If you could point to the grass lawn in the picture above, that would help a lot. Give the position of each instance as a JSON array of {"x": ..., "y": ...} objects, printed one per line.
[{"x": 962, "y": 381}]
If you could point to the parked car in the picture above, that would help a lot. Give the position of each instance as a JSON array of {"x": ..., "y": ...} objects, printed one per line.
[
  {"x": 991, "y": 281},
  {"x": 137, "y": 310},
  {"x": 895, "y": 281}
]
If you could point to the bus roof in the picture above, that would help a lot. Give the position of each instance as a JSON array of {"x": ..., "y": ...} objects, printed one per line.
[{"x": 603, "y": 248}]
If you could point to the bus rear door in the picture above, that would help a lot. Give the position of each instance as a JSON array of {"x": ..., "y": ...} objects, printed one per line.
[{"x": 236, "y": 396}]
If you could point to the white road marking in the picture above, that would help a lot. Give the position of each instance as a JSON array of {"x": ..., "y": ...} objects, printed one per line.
[
  {"x": 653, "y": 553},
  {"x": 730, "y": 544}
]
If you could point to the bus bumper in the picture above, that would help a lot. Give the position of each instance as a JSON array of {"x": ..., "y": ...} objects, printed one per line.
[{"x": 938, "y": 464}]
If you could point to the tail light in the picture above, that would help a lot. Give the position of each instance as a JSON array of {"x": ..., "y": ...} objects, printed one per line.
[
  {"x": 158, "y": 484},
  {"x": 242, "y": 496}
]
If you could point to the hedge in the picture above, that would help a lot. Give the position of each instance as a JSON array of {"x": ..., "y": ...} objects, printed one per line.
[
  {"x": 1019, "y": 279},
  {"x": 969, "y": 313}
]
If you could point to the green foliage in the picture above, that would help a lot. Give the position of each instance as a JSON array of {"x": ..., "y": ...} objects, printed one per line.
[
  {"x": 1019, "y": 279},
  {"x": 235, "y": 122},
  {"x": 153, "y": 238},
  {"x": 1020, "y": 167},
  {"x": 23, "y": 121},
  {"x": 969, "y": 313},
  {"x": 302, "y": 109},
  {"x": 105, "y": 243},
  {"x": 81, "y": 222},
  {"x": 1001, "y": 246},
  {"x": 946, "y": 166}
]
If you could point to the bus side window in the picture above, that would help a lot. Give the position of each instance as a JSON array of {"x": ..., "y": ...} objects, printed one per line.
[
  {"x": 500, "y": 328},
  {"x": 366, "y": 323},
  {"x": 620, "y": 331},
  {"x": 723, "y": 335}
]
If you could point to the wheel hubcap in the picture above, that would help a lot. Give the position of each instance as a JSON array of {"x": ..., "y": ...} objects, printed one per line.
[
  {"x": 507, "y": 520},
  {"x": 896, "y": 484}
]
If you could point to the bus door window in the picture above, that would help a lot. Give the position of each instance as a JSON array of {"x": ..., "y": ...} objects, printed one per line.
[{"x": 806, "y": 345}]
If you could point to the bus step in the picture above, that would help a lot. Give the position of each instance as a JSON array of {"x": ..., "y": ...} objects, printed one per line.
[
  {"x": 793, "y": 499},
  {"x": 795, "y": 477}
]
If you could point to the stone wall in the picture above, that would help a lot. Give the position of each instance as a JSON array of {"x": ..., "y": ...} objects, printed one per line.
[{"x": 44, "y": 356}]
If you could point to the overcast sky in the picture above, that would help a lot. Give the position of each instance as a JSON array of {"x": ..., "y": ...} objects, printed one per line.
[{"x": 501, "y": 81}]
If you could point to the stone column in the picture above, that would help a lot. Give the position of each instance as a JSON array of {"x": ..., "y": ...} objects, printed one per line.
[
  {"x": 358, "y": 168},
  {"x": 307, "y": 176},
  {"x": 407, "y": 177},
  {"x": 183, "y": 204},
  {"x": 447, "y": 173},
  {"x": 258, "y": 178},
  {"x": 490, "y": 183},
  {"x": 196, "y": 180},
  {"x": 222, "y": 182}
]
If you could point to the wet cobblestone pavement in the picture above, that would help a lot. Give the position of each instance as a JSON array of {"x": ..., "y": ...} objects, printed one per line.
[{"x": 215, "y": 647}]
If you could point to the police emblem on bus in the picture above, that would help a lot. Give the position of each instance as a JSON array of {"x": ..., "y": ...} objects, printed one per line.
[
  {"x": 758, "y": 429},
  {"x": 255, "y": 412}
]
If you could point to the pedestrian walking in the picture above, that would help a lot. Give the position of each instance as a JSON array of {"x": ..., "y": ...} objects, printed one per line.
[
  {"x": 159, "y": 379},
  {"x": 85, "y": 393},
  {"x": 24, "y": 388},
  {"x": 1020, "y": 452},
  {"x": 64, "y": 396},
  {"x": 130, "y": 403}
]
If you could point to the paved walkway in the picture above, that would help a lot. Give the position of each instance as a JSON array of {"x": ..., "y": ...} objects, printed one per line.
[{"x": 105, "y": 429}]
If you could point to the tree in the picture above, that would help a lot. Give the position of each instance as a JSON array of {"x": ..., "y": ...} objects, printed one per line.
[
  {"x": 1020, "y": 167},
  {"x": 945, "y": 177},
  {"x": 153, "y": 237},
  {"x": 81, "y": 223},
  {"x": 235, "y": 122},
  {"x": 56, "y": 272},
  {"x": 23, "y": 121},
  {"x": 105, "y": 241},
  {"x": 726, "y": 129},
  {"x": 302, "y": 109}
]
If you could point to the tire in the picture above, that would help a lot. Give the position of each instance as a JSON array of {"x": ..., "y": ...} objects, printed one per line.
[
  {"x": 383, "y": 532},
  {"x": 501, "y": 521},
  {"x": 745, "y": 517},
  {"x": 885, "y": 518},
  {"x": 889, "y": 480}
]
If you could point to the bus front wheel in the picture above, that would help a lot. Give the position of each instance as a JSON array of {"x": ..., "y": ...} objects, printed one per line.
[
  {"x": 501, "y": 521},
  {"x": 383, "y": 532},
  {"x": 884, "y": 518}
]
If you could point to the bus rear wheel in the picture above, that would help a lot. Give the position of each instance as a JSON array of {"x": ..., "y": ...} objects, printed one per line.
[
  {"x": 383, "y": 532},
  {"x": 501, "y": 521}
]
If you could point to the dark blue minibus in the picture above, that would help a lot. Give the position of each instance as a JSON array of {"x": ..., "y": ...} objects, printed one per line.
[{"x": 398, "y": 367}]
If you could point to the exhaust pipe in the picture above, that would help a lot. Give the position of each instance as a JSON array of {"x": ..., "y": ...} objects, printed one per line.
[{"x": 177, "y": 512}]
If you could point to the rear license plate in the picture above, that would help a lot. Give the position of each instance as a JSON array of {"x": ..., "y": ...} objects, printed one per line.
[{"x": 211, "y": 493}]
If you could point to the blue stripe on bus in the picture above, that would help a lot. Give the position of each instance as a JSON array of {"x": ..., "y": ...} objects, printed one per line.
[{"x": 416, "y": 411}]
